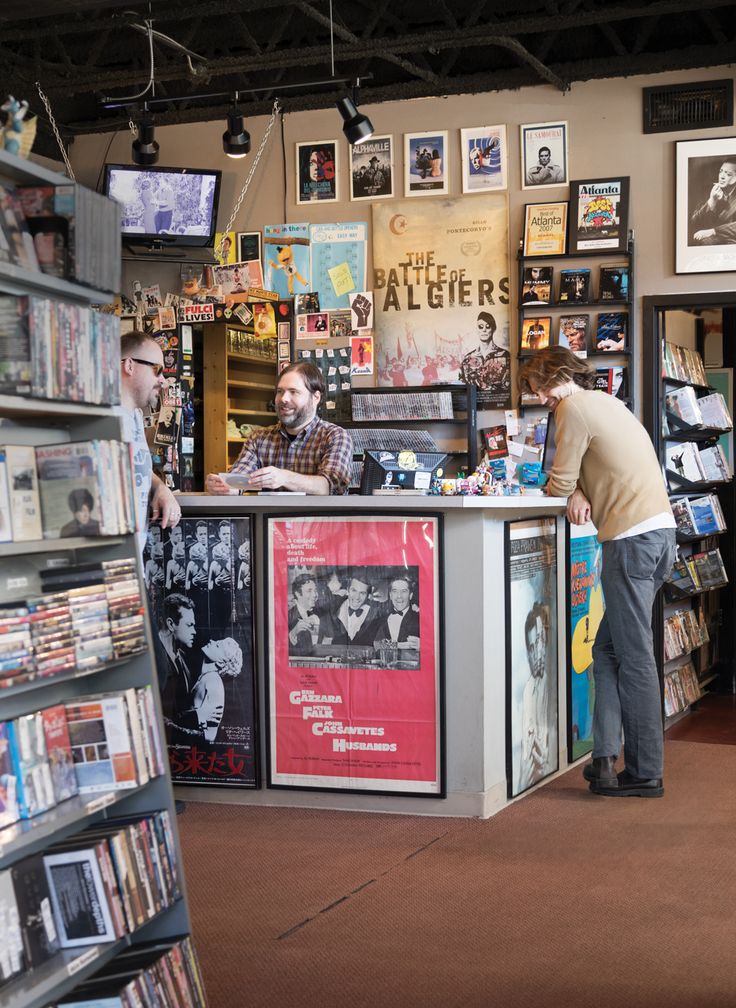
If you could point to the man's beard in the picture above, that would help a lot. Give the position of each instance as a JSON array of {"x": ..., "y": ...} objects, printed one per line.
[{"x": 298, "y": 418}]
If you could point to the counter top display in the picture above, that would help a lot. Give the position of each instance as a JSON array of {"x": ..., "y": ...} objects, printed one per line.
[{"x": 501, "y": 507}]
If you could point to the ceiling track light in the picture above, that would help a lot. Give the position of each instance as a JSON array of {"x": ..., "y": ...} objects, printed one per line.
[
  {"x": 145, "y": 148},
  {"x": 357, "y": 127},
  {"x": 236, "y": 138}
]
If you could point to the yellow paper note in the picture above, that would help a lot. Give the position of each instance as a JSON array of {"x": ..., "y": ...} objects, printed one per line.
[{"x": 342, "y": 279}]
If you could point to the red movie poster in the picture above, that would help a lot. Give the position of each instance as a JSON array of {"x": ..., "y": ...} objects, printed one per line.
[{"x": 354, "y": 654}]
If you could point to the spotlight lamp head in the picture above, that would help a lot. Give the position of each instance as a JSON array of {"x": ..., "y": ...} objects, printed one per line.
[
  {"x": 145, "y": 148},
  {"x": 236, "y": 138},
  {"x": 356, "y": 127}
]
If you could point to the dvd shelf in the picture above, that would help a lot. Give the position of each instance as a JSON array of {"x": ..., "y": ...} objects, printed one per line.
[
  {"x": 75, "y": 650},
  {"x": 689, "y": 421},
  {"x": 582, "y": 301}
]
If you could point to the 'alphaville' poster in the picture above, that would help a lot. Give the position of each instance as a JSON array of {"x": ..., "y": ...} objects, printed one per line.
[{"x": 441, "y": 283}]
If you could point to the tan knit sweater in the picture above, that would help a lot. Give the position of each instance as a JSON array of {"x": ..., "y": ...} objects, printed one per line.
[{"x": 602, "y": 448}]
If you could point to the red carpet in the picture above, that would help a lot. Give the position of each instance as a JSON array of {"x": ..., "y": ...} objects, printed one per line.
[{"x": 563, "y": 898}]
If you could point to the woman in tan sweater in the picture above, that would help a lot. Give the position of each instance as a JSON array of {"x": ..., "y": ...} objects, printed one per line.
[{"x": 606, "y": 466}]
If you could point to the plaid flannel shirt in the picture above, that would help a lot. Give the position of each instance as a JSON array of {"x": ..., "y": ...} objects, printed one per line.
[{"x": 321, "y": 449}]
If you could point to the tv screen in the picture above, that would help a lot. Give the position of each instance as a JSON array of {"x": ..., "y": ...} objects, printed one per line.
[{"x": 177, "y": 206}]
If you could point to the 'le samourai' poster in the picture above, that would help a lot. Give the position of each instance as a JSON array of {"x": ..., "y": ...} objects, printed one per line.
[{"x": 354, "y": 669}]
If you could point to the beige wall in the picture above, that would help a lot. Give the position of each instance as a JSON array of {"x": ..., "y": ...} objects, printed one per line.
[{"x": 605, "y": 131}]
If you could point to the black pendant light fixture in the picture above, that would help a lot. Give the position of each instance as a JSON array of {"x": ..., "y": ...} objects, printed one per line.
[{"x": 236, "y": 138}]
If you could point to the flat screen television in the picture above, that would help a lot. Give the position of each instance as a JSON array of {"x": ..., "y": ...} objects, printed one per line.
[
  {"x": 173, "y": 206},
  {"x": 407, "y": 470}
]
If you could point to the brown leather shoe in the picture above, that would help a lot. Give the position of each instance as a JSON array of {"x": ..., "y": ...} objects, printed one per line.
[{"x": 601, "y": 771}]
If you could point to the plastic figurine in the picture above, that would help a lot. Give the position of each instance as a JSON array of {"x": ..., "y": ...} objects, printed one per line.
[
  {"x": 18, "y": 136},
  {"x": 285, "y": 257}
]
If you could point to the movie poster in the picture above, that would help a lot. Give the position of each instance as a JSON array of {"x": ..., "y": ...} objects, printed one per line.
[
  {"x": 441, "y": 294},
  {"x": 198, "y": 577},
  {"x": 354, "y": 669},
  {"x": 532, "y": 752},
  {"x": 586, "y": 612}
]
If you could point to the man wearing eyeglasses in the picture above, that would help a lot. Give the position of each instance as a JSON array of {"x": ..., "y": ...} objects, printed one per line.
[{"x": 141, "y": 380}]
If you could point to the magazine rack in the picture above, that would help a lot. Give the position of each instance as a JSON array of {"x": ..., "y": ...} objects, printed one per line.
[{"x": 32, "y": 422}]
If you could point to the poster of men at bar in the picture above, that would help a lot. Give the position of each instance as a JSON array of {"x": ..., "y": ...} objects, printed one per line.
[
  {"x": 198, "y": 577},
  {"x": 441, "y": 294},
  {"x": 586, "y": 612},
  {"x": 531, "y": 606},
  {"x": 354, "y": 655}
]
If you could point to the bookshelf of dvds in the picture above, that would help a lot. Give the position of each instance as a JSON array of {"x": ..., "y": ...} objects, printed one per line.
[
  {"x": 90, "y": 863},
  {"x": 689, "y": 419},
  {"x": 584, "y": 302},
  {"x": 405, "y": 418},
  {"x": 239, "y": 377}
]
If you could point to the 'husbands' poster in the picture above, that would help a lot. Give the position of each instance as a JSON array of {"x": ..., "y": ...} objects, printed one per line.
[
  {"x": 198, "y": 577},
  {"x": 531, "y": 605},
  {"x": 441, "y": 294},
  {"x": 354, "y": 673}
]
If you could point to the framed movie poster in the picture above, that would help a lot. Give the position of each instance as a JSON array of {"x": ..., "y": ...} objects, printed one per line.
[
  {"x": 316, "y": 171},
  {"x": 543, "y": 154},
  {"x": 355, "y": 671},
  {"x": 586, "y": 608},
  {"x": 532, "y": 750},
  {"x": 545, "y": 229},
  {"x": 426, "y": 171},
  {"x": 372, "y": 169},
  {"x": 483, "y": 155},
  {"x": 705, "y": 210},
  {"x": 599, "y": 215},
  {"x": 249, "y": 246},
  {"x": 198, "y": 578}
]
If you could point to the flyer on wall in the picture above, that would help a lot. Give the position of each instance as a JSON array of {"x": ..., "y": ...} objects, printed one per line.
[
  {"x": 586, "y": 612},
  {"x": 355, "y": 683},
  {"x": 198, "y": 580},
  {"x": 531, "y": 604}
]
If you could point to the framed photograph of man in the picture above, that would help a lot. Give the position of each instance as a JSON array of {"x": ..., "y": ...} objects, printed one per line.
[
  {"x": 199, "y": 585},
  {"x": 426, "y": 171},
  {"x": 372, "y": 169},
  {"x": 532, "y": 716},
  {"x": 483, "y": 154},
  {"x": 545, "y": 229},
  {"x": 599, "y": 215},
  {"x": 543, "y": 154},
  {"x": 705, "y": 206},
  {"x": 316, "y": 171},
  {"x": 354, "y": 653}
]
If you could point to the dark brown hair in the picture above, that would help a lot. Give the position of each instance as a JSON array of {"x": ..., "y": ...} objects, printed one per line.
[
  {"x": 311, "y": 376},
  {"x": 554, "y": 366}
]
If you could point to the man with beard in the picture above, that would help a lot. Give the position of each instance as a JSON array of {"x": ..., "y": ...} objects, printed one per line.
[
  {"x": 301, "y": 452},
  {"x": 536, "y": 752}
]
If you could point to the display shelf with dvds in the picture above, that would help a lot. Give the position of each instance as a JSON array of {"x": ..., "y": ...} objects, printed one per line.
[
  {"x": 414, "y": 411},
  {"x": 588, "y": 307},
  {"x": 687, "y": 437},
  {"x": 30, "y": 571}
]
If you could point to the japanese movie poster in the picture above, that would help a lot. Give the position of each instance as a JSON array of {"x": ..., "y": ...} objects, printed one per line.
[
  {"x": 586, "y": 612},
  {"x": 198, "y": 577},
  {"x": 531, "y": 697},
  {"x": 441, "y": 295},
  {"x": 354, "y": 664}
]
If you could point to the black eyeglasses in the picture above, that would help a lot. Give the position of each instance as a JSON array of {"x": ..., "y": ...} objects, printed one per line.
[{"x": 156, "y": 368}]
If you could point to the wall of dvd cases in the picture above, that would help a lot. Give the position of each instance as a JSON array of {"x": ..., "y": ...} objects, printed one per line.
[
  {"x": 92, "y": 901},
  {"x": 691, "y": 419}
]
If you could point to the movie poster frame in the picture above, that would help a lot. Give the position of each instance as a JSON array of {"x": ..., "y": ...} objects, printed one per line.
[
  {"x": 363, "y": 517},
  {"x": 251, "y": 640},
  {"x": 574, "y": 532},
  {"x": 559, "y": 237},
  {"x": 533, "y": 135},
  {"x": 334, "y": 188},
  {"x": 509, "y": 622},
  {"x": 354, "y": 154},
  {"x": 469, "y": 135},
  {"x": 707, "y": 258},
  {"x": 616, "y": 246},
  {"x": 422, "y": 136}
]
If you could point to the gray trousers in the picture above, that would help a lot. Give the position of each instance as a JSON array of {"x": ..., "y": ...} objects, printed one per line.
[{"x": 627, "y": 689}]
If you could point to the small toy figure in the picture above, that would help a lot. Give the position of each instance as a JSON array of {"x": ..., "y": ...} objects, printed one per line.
[{"x": 18, "y": 136}]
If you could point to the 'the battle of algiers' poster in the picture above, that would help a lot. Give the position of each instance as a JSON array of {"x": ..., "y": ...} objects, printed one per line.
[{"x": 441, "y": 288}]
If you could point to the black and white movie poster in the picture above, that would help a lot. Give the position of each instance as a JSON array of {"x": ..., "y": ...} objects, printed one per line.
[{"x": 198, "y": 577}]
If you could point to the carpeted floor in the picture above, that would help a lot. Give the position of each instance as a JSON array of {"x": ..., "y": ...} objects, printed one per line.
[{"x": 563, "y": 899}]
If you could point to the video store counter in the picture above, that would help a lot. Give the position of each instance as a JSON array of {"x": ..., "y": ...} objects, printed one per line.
[{"x": 367, "y": 703}]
